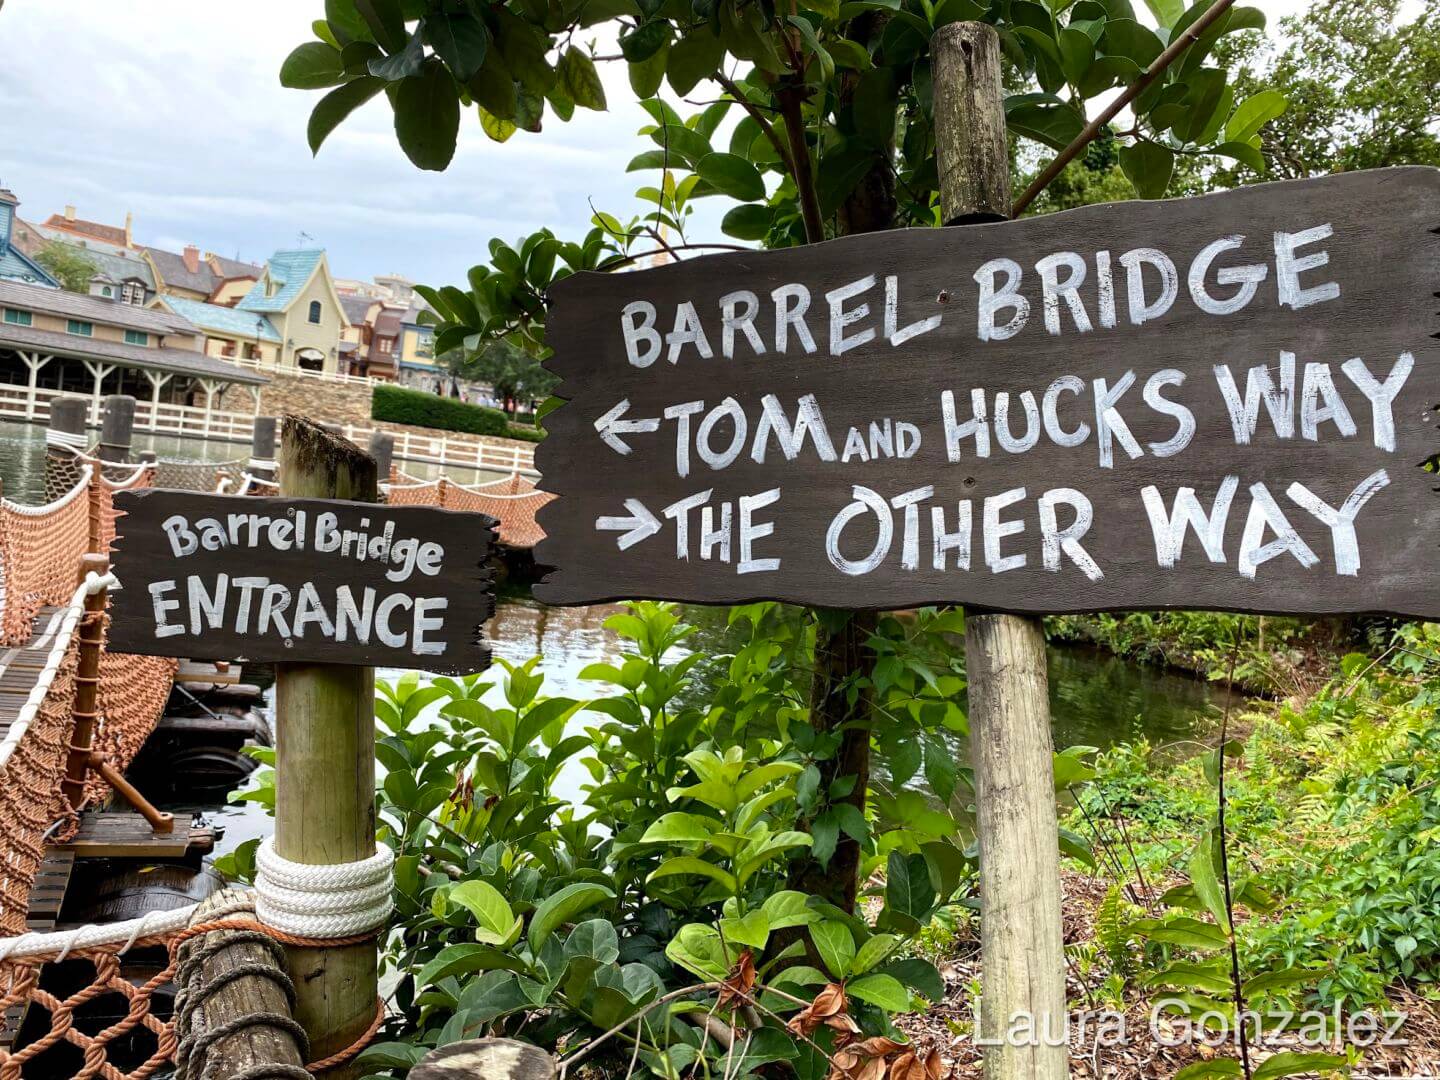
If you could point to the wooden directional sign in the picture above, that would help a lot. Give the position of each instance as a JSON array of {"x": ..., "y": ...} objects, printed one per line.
[
  {"x": 1221, "y": 402},
  {"x": 221, "y": 577}
]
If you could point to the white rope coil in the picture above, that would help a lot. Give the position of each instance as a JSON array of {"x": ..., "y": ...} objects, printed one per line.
[
  {"x": 322, "y": 901},
  {"x": 70, "y": 440}
]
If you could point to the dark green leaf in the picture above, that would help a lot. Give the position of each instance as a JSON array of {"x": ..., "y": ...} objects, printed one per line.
[
  {"x": 346, "y": 23},
  {"x": 427, "y": 117},
  {"x": 1291, "y": 1063},
  {"x": 1148, "y": 166},
  {"x": 337, "y": 105},
  {"x": 1043, "y": 118},
  {"x": 312, "y": 66},
  {"x": 402, "y": 64},
  {"x": 524, "y": 48},
  {"x": 1127, "y": 38},
  {"x": 493, "y": 88},
  {"x": 645, "y": 43},
  {"x": 732, "y": 175},
  {"x": 873, "y": 106},
  {"x": 458, "y": 39},
  {"x": 646, "y": 76},
  {"x": 688, "y": 144},
  {"x": 694, "y": 57},
  {"x": 749, "y": 222},
  {"x": 385, "y": 21}
]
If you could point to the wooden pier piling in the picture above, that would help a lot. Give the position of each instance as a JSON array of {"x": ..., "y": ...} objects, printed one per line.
[
  {"x": 325, "y": 763},
  {"x": 117, "y": 429}
]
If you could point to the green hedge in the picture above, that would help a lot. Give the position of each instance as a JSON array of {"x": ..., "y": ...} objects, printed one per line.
[
  {"x": 525, "y": 433},
  {"x": 401, "y": 406}
]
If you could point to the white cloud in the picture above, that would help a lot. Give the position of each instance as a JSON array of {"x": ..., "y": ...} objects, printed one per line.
[{"x": 172, "y": 109}]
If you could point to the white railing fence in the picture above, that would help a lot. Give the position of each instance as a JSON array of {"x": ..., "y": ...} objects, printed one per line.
[{"x": 193, "y": 421}]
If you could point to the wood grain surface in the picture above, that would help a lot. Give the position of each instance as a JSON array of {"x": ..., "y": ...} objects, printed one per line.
[{"x": 1348, "y": 298}]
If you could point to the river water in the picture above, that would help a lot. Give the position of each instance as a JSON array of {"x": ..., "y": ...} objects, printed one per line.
[{"x": 1096, "y": 699}]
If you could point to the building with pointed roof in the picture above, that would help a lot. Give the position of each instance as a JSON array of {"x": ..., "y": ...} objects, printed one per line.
[
  {"x": 296, "y": 292},
  {"x": 15, "y": 264},
  {"x": 230, "y": 333}
]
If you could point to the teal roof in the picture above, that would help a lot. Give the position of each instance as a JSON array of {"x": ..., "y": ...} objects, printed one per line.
[
  {"x": 289, "y": 270},
  {"x": 227, "y": 320}
]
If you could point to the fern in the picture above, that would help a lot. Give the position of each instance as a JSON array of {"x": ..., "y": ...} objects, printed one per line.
[{"x": 1114, "y": 919}]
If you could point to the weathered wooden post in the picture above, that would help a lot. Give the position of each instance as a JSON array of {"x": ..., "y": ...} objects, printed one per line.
[
  {"x": 382, "y": 449},
  {"x": 325, "y": 763},
  {"x": 117, "y": 428},
  {"x": 262, "y": 449},
  {"x": 1022, "y": 946},
  {"x": 64, "y": 438}
]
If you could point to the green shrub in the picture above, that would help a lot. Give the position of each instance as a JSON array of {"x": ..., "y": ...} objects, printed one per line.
[
  {"x": 401, "y": 406},
  {"x": 525, "y": 433}
]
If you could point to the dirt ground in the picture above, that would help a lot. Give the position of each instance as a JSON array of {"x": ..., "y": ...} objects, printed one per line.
[{"x": 1144, "y": 1053}]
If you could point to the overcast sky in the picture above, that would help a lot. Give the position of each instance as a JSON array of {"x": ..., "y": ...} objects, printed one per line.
[{"x": 172, "y": 109}]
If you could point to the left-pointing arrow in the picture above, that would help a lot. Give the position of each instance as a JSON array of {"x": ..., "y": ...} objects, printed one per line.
[
  {"x": 640, "y": 525},
  {"x": 611, "y": 427}
]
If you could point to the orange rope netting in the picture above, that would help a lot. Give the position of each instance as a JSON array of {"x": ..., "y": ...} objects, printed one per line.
[
  {"x": 513, "y": 501},
  {"x": 40, "y": 549}
]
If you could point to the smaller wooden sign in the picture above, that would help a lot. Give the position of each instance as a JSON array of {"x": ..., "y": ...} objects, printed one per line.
[{"x": 217, "y": 577}]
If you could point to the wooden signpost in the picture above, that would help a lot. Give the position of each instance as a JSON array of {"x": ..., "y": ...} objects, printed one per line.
[
  {"x": 1219, "y": 402},
  {"x": 323, "y": 580}
]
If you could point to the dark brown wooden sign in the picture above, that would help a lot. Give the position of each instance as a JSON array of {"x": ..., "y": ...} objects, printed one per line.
[
  {"x": 1220, "y": 402},
  {"x": 221, "y": 577}
]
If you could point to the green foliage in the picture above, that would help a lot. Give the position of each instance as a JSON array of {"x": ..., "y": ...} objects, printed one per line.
[
  {"x": 515, "y": 374},
  {"x": 400, "y": 405},
  {"x": 1358, "y": 78},
  {"x": 1332, "y": 810},
  {"x": 67, "y": 264},
  {"x": 522, "y": 910}
]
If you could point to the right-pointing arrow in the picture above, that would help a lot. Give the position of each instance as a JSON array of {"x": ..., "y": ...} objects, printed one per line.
[{"x": 640, "y": 525}]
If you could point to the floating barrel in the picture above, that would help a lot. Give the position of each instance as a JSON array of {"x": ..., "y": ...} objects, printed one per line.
[{"x": 113, "y": 892}]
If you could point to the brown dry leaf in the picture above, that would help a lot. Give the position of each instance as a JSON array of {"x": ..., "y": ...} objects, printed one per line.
[
  {"x": 738, "y": 987},
  {"x": 828, "y": 1006}
]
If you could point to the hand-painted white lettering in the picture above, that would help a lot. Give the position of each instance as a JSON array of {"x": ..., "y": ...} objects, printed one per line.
[
  {"x": 808, "y": 420},
  {"x": 687, "y": 331},
  {"x": 750, "y": 532},
  {"x": 1266, "y": 513},
  {"x": 1053, "y": 290},
  {"x": 183, "y": 540},
  {"x": 995, "y": 531},
  {"x": 1316, "y": 384},
  {"x": 1054, "y": 540},
  {"x": 978, "y": 426},
  {"x": 383, "y": 611},
  {"x": 1003, "y": 435},
  {"x": 163, "y": 606},
  {"x": 679, "y": 513},
  {"x": 1169, "y": 528},
  {"x": 715, "y": 538},
  {"x": 1105, "y": 289},
  {"x": 681, "y": 415},
  {"x": 1289, "y": 267},
  {"x": 737, "y": 312},
  {"x": 728, "y": 409},
  {"x": 1248, "y": 278},
  {"x": 1108, "y": 420},
  {"x": 840, "y": 318},
  {"x": 893, "y": 332},
  {"x": 1259, "y": 386},
  {"x": 1141, "y": 309},
  {"x": 1341, "y": 522},
  {"x": 910, "y": 543},
  {"x": 1049, "y": 406},
  {"x": 957, "y": 541},
  {"x": 642, "y": 340},
  {"x": 425, "y": 622},
  {"x": 1381, "y": 395},
  {"x": 1006, "y": 298},
  {"x": 791, "y": 304},
  {"x": 1184, "y": 418},
  {"x": 863, "y": 499},
  {"x": 309, "y": 609},
  {"x": 202, "y": 602}
]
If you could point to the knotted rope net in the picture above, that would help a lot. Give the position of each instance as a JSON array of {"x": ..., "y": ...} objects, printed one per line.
[
  {"x": 40, "y": 549},
  {"x": 512, "y": 500}
]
